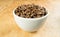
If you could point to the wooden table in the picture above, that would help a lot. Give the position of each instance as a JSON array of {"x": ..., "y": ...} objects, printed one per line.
[{"x": 8, "y": 27}]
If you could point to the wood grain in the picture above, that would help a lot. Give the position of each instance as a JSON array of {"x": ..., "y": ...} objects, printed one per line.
[{"x": 51, "y": 28}]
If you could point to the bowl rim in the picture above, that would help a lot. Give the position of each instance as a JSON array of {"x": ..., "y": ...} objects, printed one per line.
[{"x": 30, "y": 18}]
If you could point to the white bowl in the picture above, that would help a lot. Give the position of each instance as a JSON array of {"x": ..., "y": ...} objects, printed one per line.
[{"x": 29, "y": 24}]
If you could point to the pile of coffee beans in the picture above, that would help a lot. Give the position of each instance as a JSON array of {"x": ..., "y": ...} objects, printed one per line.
[{"x": 30, "y": 11}]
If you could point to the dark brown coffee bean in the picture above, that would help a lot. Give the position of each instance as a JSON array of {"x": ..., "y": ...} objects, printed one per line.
[
  {"x": 32, "y": 14},
  {"x": 30, "y": 11},
  {"x": 38, "y": 16},
  {"x": 32, "y": 17},
  {"x": 45, "y": 12},
  {"x": 17, "y": 14}
]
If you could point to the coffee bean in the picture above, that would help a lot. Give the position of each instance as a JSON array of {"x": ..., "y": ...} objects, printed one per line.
[
  {"x": 38, "y": 16},
  {"x": 17, "y": 14},
  {"x": 30, "y": 11},
  {"x": 32, "y": 17}
]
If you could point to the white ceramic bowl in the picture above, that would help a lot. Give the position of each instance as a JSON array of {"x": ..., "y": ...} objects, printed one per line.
[{"x": 29, "y": 24}]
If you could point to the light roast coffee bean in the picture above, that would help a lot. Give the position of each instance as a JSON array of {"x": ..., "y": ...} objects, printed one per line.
[{"x": 30, "y": 11}]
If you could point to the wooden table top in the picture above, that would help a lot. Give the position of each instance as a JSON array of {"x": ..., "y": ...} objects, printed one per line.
[{"x": 8, "y": 27}]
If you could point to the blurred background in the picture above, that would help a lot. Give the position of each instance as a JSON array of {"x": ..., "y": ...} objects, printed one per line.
[{"x": 8, "y": 27}]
